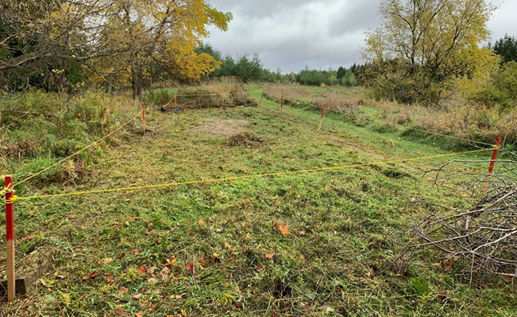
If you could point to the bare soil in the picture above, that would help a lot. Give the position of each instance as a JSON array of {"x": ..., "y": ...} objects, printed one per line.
[{"x": 222, "y": 127}]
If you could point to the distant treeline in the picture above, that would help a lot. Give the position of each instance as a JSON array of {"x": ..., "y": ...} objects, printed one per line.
[{"x": 250, "y": 68}]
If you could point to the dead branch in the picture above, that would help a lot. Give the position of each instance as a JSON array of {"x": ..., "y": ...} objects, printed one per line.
[{"x": 482, "y": 240}]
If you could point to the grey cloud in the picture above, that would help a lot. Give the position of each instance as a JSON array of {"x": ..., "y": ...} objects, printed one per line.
[
  {"x": 318, "y": 33},
  {"x": 259, "y": 9},
  {"x": 354, "y": 16}
]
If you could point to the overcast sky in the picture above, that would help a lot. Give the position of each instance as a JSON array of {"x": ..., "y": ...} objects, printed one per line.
[{"x": 292, "y": 34}]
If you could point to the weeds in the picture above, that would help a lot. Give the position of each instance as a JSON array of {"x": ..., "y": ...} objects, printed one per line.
[
  {"x": 308, "y": 244},
  {"x": 461, "y": 119}
]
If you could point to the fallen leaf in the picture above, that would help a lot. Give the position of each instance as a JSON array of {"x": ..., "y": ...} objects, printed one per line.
[
  {"x": 148, "y": 233},
  {"x": 151, "y": 270},
  {"x": 302, "y": 233},
  {"x": 175, "y": 297},
  {"x": 27, "y": 237},
  {"x": 215, "y": 258},
  {"x": 134, "y": 251},
  {"x": 152, "y": 281},
  {"x": 123, "y": 291},
  {"x": 120, "y": 312},
  {"x": 283, "y": 229},
  {"x": 91, "y": 276},
  {"x": 189, "y": 267},
  {"x": 269, "y": 255},
  {"x": 127, "y": 223},
  {"x": 201, "y": 222},
  {"x": 165, "y": 273},
  {"x": 149, "y": 225},
  {"x": 110, "y": 280},
  {"x": 137, "y": 296},
  {"x": 442, "y": 296},
  {"x": 139, "y": 314},
  {"x": 142, "y": 269},
  {"x": 107, "y": 261}
]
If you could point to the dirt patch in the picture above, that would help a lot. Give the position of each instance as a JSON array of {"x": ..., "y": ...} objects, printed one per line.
[
  {"x": 248, "y": 141},
  {"x": 222, "y": 127}
]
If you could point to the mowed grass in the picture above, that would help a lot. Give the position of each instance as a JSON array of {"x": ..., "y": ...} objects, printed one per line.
[{"x": 281, "y": 237}]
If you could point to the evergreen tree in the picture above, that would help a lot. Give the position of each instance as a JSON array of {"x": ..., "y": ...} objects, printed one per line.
[{"x": 506, "y": 48}]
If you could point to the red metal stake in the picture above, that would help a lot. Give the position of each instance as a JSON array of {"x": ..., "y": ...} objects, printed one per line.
[
  {"x": 494, "y": 156},
  {"x": 9, "y": 224},
  {"x": 322, "y": 114},
  {"x": 492, "y": 163},
  {"x": 281, "y": 104}
]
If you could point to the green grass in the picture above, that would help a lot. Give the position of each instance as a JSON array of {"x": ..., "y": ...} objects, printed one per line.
[{"x": 216, "y": 248}]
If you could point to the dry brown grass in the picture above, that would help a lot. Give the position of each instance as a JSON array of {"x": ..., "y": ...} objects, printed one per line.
[
  {"x": 301, "y": 96},
  {"x": 456, "y": 117},
  {"x": 468, "y": 121},
  {"x": 219, "y": 95}
]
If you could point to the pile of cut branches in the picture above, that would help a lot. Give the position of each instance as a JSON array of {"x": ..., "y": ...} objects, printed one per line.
[{"x": 479, "y": 241}]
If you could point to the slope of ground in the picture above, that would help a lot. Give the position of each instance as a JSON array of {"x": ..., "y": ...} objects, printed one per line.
[{"x": 293, "y": 240}]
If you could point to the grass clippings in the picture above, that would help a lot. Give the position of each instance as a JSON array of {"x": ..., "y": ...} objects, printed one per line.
[{"x": 312, "y": 243}]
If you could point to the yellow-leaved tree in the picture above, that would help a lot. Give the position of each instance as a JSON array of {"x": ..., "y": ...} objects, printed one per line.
[
  {"x": 159, "y": 35},
  {"x": 119, "y": 41},
  {"x": 422, "y": 47}
]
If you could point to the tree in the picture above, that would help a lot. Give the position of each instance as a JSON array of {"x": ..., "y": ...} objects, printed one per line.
[
  {"x": 44, "y": 43},
  {"x": 166, "y": 33},
  {"x": 349, "y": 79},
  {"x": 117, "y": 40},
  {"x": 421, "y": 47},
  {"x": 341, "y": 71},
  {"x": 249, "y": 68},
  {"x": 217, "y": 57},
  {"x": 229, "y": 66},
  {"x": 506, "y": 48}
]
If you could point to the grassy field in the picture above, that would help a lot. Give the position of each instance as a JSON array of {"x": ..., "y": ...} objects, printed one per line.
[{"x": 267, "y": 216}]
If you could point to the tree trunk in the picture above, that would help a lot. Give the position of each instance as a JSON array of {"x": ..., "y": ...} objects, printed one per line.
[{"x": 137, "y": 77}]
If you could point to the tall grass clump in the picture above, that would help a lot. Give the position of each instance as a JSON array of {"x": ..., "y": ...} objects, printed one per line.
[
  {"x": 205, "y": 96},
  {"x": 38, "y": 125},
  {"x": 301, "y": 97},
  {"x": 160, "y": 97}
]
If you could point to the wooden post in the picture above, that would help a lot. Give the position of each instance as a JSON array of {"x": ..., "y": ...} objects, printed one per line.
[
  {"x": 281, "y": 104},
  {"x": 175, "y": 100},
  {"x": 261, "y": 98},
  {"x": 322, "y": 114},
  {"x": 9, "y": 224},
  {"x": 143, "y": 117}
]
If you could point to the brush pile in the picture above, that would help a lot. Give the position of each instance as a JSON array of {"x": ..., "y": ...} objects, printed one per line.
[{"x": 481, "y": 241}]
